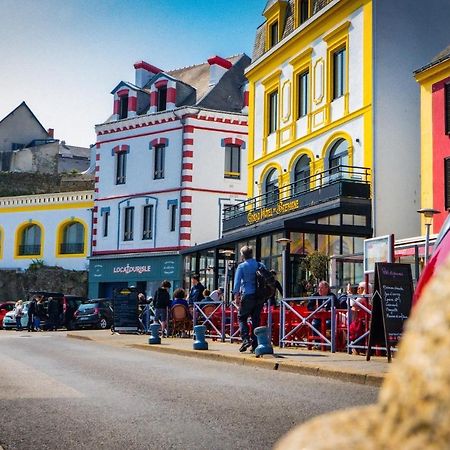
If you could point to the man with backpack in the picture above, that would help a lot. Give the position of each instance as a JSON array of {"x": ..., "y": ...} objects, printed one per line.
[{"x": 249, "y": 301}]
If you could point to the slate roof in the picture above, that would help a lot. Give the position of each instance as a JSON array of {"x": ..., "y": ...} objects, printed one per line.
[
  {"x": 288, "y": 26},
  {"x": 440, "y": 57}
]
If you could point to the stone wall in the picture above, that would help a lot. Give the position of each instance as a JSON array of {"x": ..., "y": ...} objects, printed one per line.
[
  {"x": 15, "y": 285},
  {"x": 17, "y": 183}
]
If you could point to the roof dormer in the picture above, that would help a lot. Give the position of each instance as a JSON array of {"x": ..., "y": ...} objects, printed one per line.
[
  {"x": 275, "y": 14},
  {"x": 163, "y": 93}
]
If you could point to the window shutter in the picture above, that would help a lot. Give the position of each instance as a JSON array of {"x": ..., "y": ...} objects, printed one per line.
[
  {"x": 447, "y": 109},
  {"x": 447, "y": 182}
]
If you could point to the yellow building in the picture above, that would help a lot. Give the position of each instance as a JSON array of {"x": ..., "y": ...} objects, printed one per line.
[{"x": 334, "y": 138}]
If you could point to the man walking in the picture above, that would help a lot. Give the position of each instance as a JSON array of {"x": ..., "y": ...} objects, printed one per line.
[{"x": 244, "y": 291}]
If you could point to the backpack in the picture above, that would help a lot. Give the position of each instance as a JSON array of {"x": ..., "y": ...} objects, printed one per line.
[{"x": 265, "y": 284}]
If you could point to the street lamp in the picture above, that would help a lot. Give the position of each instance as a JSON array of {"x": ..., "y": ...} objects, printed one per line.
[
  {"x": 284, "y": 243},
  {"x": 227, "y": 254},
  {"x": 428, "y": 214}
]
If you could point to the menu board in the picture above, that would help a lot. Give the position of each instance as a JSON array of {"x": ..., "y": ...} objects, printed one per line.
[
  {"x": 125, "y": 305},
  {"x": 393, "y": 291}
]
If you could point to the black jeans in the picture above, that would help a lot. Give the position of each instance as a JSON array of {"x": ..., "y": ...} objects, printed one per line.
[
  {"x": 30, "y": 324},
  {"x": 249, "y": 308}
]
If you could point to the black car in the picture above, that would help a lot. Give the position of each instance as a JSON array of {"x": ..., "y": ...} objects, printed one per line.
[{"x": 95, "y": 313}]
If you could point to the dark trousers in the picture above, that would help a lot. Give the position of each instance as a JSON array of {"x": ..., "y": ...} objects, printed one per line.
[
  {"x": 249, "y": 308},
  {"x": 30, "y": 324}
]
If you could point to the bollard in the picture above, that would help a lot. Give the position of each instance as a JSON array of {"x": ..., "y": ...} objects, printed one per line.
[
  {"x": 200, "y": 342},
  {"x": 264, "y": 345},
  {"x": 154, "y": 331}
]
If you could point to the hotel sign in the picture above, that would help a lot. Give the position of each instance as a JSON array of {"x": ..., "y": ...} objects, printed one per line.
[{"x": 257, "y": 215}]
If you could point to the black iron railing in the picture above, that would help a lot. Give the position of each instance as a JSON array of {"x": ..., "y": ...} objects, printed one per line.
[
  {"x": 25, "y": 250},
  {"x": 71, "y": 249},
  {"x": 340, "y": 181}
]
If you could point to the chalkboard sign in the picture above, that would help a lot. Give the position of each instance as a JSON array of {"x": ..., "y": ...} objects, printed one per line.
[
  {"x": 393, "y": 291},
  {"x": 126, "y": 314}
]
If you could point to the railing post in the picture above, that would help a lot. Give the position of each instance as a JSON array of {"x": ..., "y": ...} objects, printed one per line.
[
  {"x": 222, "y": 331},
  {"x": 333, "y": 325}
]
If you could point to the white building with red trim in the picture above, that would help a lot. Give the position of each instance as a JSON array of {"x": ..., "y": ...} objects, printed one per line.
[{"x": 168, "y": 161}]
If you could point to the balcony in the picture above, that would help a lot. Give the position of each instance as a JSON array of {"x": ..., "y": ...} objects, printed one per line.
[
  {"x": 338, "y": 182},
  {"x": 29, "y": 250},
  {"x": 72, "y": 249}
]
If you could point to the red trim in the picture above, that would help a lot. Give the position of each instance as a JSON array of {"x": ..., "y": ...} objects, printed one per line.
[
  {"x": 246, "y": 95},
  {"x": 97, "y": 168},
  {"x": 140, "y": 194},
  {"x": 188, "y": 153},
  {"x": 94, "y": 243},
  {"x": 186, "y": 199},
  {"x": 95, "y": 220},
  {"x": 185, "y": 211},
  {"x": 220, "y": 62},
  {"x": 96, "y": 179},
  {"x": 122, "y": 92},
  {"x": 97, "y": 157},
  {"x": 189, "y": 129},
  {"x": 188, "y": 166},
  {"x": 116, "y": 107},
  {"x": 153, "y": 98},
  {"x": 188, "y": 141},
  {"x": 185, "y": 236},
  {"x": 143, "y": 250},
  {"x": 171, "y": 95},
  {"x": 186, "y": 178},
  {"x": 94, "y": 231},
  {"x": 139, "y": 135},
  {"x": 146, "y": 66},
  {"x": 221, "y": 131},
  {"x": 132, "y": 103},
  {"x": 161, "y": 83},
  {"x": 185, "y": 223}
]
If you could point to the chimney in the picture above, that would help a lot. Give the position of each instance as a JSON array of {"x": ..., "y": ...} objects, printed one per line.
[
  {"x": 51, "y": 133},
  {"x": 144, "y": 71},
  {"x": 217, "y": 67}
]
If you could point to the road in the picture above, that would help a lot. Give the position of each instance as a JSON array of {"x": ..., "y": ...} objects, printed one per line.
[{"x": 59, "y": 393}]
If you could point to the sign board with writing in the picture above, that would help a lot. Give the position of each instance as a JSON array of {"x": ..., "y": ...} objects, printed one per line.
[
  {"x": 393, "y": 291},
  {"x": 126, "y": 315}
]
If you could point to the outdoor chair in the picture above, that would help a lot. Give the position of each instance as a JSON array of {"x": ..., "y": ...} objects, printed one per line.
[{"x": 180, "y": 321}]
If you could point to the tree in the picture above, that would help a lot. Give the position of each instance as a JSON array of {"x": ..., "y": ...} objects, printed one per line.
[{"x": 317, "y": 264}]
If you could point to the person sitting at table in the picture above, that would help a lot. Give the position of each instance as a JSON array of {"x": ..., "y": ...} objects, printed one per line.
[
  {"x": 322, "y": 291},
  {"x": 207, "y": 296},
  {"x": 359, "y": 317},
  {"x": 217, "y": 295},
  {"x": 345, "y": 298},
  {"x": 196, "y": 292},
  {"x": 179, "y": 298}
]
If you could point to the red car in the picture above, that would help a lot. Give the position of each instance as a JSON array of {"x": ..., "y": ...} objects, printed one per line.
[
  {"x": 440, "y": 254},
  {"x": 4, "y": 308}
]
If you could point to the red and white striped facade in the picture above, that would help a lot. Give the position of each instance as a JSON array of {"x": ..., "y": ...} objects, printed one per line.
[{"x": 194, "y": 141}]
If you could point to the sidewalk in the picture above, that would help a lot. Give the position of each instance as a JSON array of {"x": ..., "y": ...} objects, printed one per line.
[{"x": 297, "y": 360}]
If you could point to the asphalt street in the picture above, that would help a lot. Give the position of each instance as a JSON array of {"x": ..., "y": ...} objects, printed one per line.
[{"x": 64, "y": 393}]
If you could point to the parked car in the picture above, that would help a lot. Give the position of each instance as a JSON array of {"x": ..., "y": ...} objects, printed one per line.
[
  {"x": 440, "y": 253},
  {"x": 68, "y": 304},
  {"x": 9, "y": 321},
  {"x": 5, "y": 307},
  {"x": 96, "y": 313}
]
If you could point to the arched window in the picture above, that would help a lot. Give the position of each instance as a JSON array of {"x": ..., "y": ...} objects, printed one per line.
[
  {"x": 72, "y": 241},
  {"x": 338, "y": 156},
  {"x": 271, "y": 187},
  {"x": 30, "y": 241},
  {"x": 301, "y": 175}
]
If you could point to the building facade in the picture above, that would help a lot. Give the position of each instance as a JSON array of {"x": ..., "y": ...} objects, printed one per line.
[
  {"x": 434, "y": 80},
  {"x": 53, "y": 229},
  {"x": 168, "y": 161},
  {"x": 333, "y": 138}
]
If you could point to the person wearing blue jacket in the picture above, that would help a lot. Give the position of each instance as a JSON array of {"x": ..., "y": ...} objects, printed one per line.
[{"x": 244, "y": 291}]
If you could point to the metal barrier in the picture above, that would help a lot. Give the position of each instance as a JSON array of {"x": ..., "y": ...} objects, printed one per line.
[
  {"x": 303, "y": 322},
  {"x": 234, "y": 334},
  {"x": 207, "y": 319}
]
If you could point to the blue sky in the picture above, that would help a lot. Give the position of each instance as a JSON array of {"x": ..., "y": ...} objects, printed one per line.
[{"x": 64, "y": 57}]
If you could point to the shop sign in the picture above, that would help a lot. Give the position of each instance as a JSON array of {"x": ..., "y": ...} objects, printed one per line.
[
  {"x": 267, "y": 213},
  {"x": 132, "y": 269},
  {"x": 169, "y": 267}
]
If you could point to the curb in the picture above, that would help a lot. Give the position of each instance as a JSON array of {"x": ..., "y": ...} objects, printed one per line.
[{"x": 270, "y": 364}]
